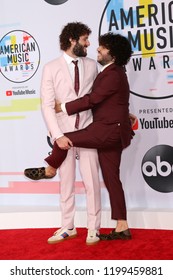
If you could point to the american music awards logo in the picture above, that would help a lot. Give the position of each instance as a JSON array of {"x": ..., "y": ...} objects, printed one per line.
[
  {"x": 148, "y": 24},
  {"x": 19, "y": 56}
]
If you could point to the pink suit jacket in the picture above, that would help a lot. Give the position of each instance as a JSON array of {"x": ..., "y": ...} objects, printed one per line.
[{"x": 57, "y": 84}]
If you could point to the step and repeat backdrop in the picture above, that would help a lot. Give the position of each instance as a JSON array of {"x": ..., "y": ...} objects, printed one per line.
[{"x": 29, "y": 38}]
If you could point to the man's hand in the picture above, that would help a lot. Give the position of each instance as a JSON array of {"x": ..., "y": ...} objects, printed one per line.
[
  {"x": 57, "y": 106},
  {"x": 133, "y": 119},
  {"x": 64, "y": 143}
]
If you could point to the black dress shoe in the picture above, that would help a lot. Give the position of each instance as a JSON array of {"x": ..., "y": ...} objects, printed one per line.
[
  {"x": 113, "y": 235},
  {"x": 36, "y": 173}
]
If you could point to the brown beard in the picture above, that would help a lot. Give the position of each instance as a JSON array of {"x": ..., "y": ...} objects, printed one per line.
[{"x": 78, "y": 50}]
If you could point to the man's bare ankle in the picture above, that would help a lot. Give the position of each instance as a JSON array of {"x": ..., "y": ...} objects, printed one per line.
[{"x": 50, "y": 171}]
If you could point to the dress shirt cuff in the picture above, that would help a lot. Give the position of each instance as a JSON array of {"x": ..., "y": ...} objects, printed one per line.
[
  {"x": 63, "y": 108},
  {"x": 59, "y": 136}
]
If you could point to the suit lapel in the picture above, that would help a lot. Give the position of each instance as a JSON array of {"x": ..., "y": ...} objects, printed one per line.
[
  {"x": 66, "y": 73},
  {"x": 107, "y": 69}
]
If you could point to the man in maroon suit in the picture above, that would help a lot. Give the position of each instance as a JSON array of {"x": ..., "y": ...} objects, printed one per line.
[{"x": 110, "y": 132}]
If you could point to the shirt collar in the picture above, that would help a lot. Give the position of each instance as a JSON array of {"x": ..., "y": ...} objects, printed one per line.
[
  {"x": 68, "y": 58},
  {"x": 105, "y": 66}
]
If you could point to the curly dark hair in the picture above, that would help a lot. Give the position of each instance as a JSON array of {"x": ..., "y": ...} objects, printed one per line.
[
  {"x": 72, "y": 30},
  {"x": 119, "y": 47}
]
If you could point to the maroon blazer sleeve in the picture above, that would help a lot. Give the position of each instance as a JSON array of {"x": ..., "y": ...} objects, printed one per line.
[{"x": 105, "y": 85}]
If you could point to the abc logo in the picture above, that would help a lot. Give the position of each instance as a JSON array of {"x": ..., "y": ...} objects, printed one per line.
[
  {"x": 56, "y": 2},
  {"x": 157, "y": 168}
]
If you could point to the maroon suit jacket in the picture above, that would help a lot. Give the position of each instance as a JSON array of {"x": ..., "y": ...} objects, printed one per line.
[{"x": 109, "y": 101}]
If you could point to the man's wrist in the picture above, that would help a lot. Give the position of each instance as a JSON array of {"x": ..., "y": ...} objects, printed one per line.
[{"x": 56, "y": 138}]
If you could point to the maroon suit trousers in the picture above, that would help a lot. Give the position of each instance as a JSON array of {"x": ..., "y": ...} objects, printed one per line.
[{"x": 106, "y": 139}]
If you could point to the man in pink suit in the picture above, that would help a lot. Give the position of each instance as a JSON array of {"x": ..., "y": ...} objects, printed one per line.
[
  {"x": 58, "y": 83},
  {"x": 110, "y": 132}
]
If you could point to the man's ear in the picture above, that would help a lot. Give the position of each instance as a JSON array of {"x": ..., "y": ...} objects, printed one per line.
[{"x": 72, "y": 41}]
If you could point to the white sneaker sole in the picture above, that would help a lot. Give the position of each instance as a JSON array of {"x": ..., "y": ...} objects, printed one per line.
[
  {"x": 61, "y": 240},
  {"x": 92, "y": 243}
]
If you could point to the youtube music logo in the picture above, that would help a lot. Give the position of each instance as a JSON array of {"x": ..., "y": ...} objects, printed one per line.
[{"x": 9, "y": 93}]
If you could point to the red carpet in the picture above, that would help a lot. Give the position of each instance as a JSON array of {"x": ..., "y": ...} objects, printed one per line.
[{"x": 31, "y": 244}]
